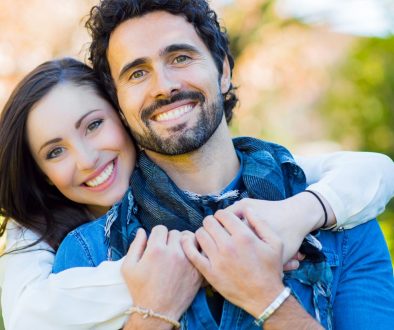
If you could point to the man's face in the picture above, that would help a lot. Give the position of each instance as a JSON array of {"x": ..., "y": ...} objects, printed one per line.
[{"x": 167, "y": 83}]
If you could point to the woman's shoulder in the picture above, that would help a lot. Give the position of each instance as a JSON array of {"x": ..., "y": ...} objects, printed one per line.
[
  {"x": 85, "y": 246},
  {"x": 90, "y": 228}
]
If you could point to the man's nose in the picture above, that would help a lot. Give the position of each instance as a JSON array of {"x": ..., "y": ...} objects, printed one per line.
[
  {"x": 164, "y": 84},
  {"x": 86, "y": 157}
]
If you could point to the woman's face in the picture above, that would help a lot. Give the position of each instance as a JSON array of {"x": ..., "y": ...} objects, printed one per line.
[{"x": 80, "y": 144}]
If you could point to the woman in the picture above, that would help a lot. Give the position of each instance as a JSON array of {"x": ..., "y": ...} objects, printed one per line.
[
  {"x": 71, "y": 159},
  {"x": 52, "y": 175}
]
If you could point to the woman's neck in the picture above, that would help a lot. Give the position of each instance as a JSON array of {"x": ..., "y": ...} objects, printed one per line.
[{"x": 97, "y": 210}]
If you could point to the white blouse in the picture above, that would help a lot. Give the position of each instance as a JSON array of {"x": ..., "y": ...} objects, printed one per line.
[{"x": 356, "y": 185}]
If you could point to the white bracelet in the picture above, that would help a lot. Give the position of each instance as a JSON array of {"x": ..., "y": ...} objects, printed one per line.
[{"x": 279, "y": 300}]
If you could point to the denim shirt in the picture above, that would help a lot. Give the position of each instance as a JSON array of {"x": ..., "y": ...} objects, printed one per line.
[{"x": 362, "y": 284}]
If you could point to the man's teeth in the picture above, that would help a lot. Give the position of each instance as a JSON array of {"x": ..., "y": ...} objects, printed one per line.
[
  {"x": 174, "y": 114},
  {"x": 104, "y": 176}
]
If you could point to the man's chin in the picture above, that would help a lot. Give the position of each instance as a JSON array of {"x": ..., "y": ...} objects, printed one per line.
[{"x": 177, "y": 149}]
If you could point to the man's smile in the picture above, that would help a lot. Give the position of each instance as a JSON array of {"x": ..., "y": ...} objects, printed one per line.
[{"x": 174, "y": 111}]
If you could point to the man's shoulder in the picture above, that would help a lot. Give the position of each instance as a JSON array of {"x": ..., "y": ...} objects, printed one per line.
[
  {"x": 85, "y": 246},
  {"x": 361, "y": 244}
]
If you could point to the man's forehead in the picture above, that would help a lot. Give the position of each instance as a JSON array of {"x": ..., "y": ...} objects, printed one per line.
[{"x": 148, "y": 35}]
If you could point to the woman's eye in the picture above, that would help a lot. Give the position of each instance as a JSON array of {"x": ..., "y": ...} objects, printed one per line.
[
  {"x": 54, "y": 153},
  {"x": 137, "y": 74},
  {"x": 181, "y": 59},
  {"x": 94, "y": 125}
]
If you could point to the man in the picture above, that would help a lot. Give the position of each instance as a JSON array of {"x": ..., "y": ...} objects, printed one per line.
[{"x": 168, "y": 66}]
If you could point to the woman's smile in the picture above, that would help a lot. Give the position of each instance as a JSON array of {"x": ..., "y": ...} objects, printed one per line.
[{"x": 104, "y": 178}]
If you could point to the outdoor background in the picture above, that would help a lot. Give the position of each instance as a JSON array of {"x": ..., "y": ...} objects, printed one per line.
[{"x": 313, "y": 75}]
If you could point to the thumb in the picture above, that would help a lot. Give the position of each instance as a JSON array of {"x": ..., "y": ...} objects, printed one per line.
[
  {"x": 260, "y": 227},
  {"x": 137, "y": 247}
]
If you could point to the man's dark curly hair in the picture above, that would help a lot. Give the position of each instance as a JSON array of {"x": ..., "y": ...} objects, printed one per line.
[{"x": 108, "y": 14}]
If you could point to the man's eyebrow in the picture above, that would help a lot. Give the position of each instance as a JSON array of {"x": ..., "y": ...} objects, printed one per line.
[
  {"x": 128, "y": 66},
  {"x": 179, "y": 47},
  {"x": 165, "y": 51}
]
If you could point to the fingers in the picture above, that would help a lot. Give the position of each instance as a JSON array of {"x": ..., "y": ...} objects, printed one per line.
[
  {"x": 206, "y": 241},
  {"x": 197, "y": 259},
  {"x": 137, "y": 247},
  {"x": 189, "y": 235},
  {"x": 174, "y": 238},
  {"x": 158, "y": 237},
  {"x": 291, "y": 265},
  {"x": 231, "y": 222},
  {"x": 213, "y": 227},
  {"x": 238, "y": 208},
  {"x": 299, "y": 256},
  {"x": 260, "y": 227},
  {"x": 264, "y": 232}
]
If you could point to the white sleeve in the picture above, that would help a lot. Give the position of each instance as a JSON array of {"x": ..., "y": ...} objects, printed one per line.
[
  {"x": 357, "y": 185},
  {"x": 78, "y": 298}
]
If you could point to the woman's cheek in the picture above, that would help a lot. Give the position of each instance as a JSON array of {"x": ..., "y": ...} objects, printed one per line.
[
  {"x": 117, "y": 137},
  {"x": 60, "y": 176}
]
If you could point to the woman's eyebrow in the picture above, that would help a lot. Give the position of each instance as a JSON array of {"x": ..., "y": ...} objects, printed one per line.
[
  {"x": 77, "y": 125},
  {"x": 79, "y": 121},
  {"x": 55, "y": 140}
]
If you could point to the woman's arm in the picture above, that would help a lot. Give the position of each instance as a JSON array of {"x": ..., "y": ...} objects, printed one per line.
[
  {"x": 357, "y": 185},
  {"x": 354, "y": 187},
  {"x": 81, "y": 298}
]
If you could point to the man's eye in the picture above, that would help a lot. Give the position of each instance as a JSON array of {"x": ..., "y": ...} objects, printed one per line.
[
  {"x": 137, "y": 74},
  {"x": 94, "y": 125},
  {"x": 181, "y": 59},
  {"x": 55, "y": 152}
]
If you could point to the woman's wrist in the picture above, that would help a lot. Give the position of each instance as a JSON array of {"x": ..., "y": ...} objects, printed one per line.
[
  {"x": 137, "y": 322},
  {"x": 311, "y": 212},
  {"x": 145, "y": 318}
]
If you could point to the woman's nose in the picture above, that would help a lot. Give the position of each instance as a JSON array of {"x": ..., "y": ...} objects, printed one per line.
[{"x": 86, "y": 158}]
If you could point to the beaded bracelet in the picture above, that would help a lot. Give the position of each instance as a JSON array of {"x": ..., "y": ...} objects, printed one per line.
[
  {"x": 279, "y": 300},
  {"x": 146, "y": 312}
]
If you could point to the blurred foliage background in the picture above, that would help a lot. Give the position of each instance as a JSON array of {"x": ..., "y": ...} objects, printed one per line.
[{"x": 301, "y": 85}]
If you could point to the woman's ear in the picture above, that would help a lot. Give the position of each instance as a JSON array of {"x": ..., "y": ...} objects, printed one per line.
[{"x": 225, "y": 80}]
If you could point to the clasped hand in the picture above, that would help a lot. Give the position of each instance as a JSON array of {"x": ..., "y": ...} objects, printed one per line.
[{"x": 242, "y": 260}]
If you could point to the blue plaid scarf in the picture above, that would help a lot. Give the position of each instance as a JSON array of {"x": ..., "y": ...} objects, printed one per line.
[{"x": 268, "y": 172}]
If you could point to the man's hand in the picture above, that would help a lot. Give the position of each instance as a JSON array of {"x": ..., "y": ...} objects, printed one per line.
[
  {"x": 159, "y": 277},
  {"x": 291, "y": 219},
  {"x": 242, "y": 267}
]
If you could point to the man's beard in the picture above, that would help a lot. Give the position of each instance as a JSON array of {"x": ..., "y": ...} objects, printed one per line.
[{"x": 187, "y": 140}]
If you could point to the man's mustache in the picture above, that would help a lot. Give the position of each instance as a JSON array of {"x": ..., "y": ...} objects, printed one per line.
[{"x": 147, "y": 112}]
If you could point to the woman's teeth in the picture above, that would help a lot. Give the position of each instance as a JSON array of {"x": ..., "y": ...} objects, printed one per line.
[
  {"x": 174, "y": 114},
  {"x": 104, "y": 176}
]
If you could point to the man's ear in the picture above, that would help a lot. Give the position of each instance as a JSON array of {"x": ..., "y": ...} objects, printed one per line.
[
  {"x": 123, "y": 119},
  {"x": 225, "y": 80}
]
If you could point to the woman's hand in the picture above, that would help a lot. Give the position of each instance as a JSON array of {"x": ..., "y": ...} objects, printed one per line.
[
  {"x": 159, "y": 276},
  {"x": 291, "y": 219}
]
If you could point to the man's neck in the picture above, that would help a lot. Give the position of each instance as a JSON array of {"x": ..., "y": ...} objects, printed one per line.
[{"x": 207, "y": 170}]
